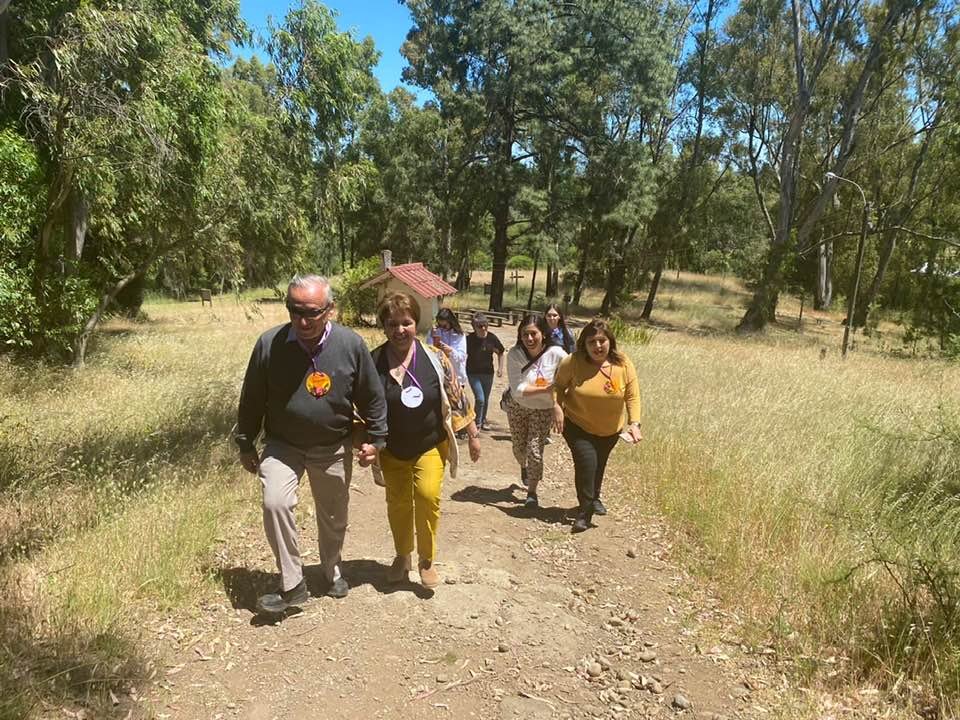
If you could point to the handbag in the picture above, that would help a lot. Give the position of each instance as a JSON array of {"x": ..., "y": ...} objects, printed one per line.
[{"x": 505, "y": 399}]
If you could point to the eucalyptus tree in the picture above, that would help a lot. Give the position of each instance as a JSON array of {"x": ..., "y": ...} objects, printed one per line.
[
  {"x": 773, "y": 108},
  {"x": 121, "y": 103},
  {"x": 683, "y": 189},
  {"x": 325, "y": 78}
]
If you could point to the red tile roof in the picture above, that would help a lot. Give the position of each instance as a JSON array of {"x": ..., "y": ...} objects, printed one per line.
[{"x": 417, "y": 278}]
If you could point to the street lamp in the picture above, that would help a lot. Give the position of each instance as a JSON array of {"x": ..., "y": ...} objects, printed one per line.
[{"x": 852, "y": 299}]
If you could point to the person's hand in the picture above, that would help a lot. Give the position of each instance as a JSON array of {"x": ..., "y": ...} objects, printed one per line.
[
  {"x": 474, "y": 445},
  {"x": 557, "y": 418},
  {"x": 446, "y": 349},
  {"x": 366, "y": 455},
  {"x": 636, "y": 434},
  {"x": 250, "y": 461}
]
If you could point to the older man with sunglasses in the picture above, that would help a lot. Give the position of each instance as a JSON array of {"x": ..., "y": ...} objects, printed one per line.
[{"x": 303, "y": 384}]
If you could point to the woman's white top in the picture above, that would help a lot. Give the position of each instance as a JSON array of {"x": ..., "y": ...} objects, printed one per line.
[
  {"x": 458, "y": 357},
  {"x": 539, "y": 372}
]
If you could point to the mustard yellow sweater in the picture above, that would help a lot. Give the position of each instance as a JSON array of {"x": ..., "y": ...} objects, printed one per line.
[{"x": 579, "y": 386}]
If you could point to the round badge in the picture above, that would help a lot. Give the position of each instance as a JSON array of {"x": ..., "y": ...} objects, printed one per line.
[
  {"x": 609, "y": 387},
  {"x": 411, "y": 396},
  {"x": 541, "y": 382},
  {"x": 318, "y": 384}
]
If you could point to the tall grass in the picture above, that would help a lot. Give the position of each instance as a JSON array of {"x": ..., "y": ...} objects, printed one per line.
[
  {"x": 824, "y": 494},
  {"x": 115, "y": 484}
]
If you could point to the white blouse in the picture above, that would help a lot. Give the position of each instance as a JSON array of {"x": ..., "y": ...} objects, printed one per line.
[{"x": 543, "y": 370}]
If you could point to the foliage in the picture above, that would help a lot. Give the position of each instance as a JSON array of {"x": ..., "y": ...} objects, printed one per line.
[
  {"x": 520, "y": 262},
  {"x": 354, "y": 301},
  {"x": 21, "y": 203},
  {"x": 628, "y": 333}
]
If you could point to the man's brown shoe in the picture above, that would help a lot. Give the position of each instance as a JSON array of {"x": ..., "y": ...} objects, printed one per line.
[
  {"x": 399, "y": 571},
  {"x": 429, "y": 577}
]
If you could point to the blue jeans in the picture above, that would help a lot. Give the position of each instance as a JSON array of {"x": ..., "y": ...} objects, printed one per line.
[{"x": 481, "y": 386}]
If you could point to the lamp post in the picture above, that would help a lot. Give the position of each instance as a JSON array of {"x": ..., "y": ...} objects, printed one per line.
[{"x": 861, "y": 247}]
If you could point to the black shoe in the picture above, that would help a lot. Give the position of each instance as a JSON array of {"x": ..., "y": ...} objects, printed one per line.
[
  {"x": 338, "y": 588},
  {"x": 523, "y": 476},
  {"x": 580, "y": 524},
  {"x": 531, "y": 503},
  {"x": 279, "y": 602},
  {"x": 599, "y": 508}
]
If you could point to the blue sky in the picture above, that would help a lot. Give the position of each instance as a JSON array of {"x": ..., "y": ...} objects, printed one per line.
[{"x": 386, "y": 21}]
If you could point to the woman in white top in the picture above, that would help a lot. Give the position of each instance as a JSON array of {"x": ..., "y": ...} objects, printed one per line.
[
  {"x": 449, "y": 338},
  {"x": 531, "y": 365}
]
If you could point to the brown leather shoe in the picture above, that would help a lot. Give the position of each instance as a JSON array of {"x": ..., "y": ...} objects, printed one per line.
[
  {"x": 429, "y": 577},
  {"x": 399, "y": 571}
]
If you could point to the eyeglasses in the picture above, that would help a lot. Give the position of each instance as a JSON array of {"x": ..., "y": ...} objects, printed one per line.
[
  {"x": 308, "y": 313},
  {"x": 479, "y": 327}
]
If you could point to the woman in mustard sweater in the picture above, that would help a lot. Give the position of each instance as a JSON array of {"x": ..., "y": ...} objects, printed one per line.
[{"x": 597, "y": 393}]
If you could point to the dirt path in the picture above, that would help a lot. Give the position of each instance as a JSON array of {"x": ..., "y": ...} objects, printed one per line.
[{"x": 530, "y": 622}]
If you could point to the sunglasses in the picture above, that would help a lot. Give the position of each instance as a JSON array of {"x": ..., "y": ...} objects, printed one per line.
[{"x": 308, "y": 313}]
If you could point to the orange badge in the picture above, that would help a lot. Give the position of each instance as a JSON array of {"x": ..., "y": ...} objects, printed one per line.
[
  {"x": 610, "y": 387},
  {"x": 318, "y": 384},
  {"x": 541, "y": 382}
]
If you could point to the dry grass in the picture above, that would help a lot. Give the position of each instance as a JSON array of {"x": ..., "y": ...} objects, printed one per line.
[
  {"x": 114, "y": 483},
  {"x": 819, "y": 495},
  {"x": 815, "y": 493}
]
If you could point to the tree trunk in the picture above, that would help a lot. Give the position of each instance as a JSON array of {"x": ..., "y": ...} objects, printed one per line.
[
  {"x": 581, "y": 276},
  {"x": 824, "y": 291},
  {"x": 533, "y": 281},
  {"x": 80, "y": 344},
  {"x": 79, "y": 224},
  {"x": 342, "y": 237},
  {"x": 4, "y": 32},
  {"x": 654, "y": 286},
  {"x": 617, "y": 273},
  {"x": 870, "y": 296},
  {"x": 551, "y": 281},
  {"x": 501, "y": 216}
]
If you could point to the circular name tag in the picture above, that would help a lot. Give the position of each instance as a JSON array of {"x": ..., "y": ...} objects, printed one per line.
[
  {"x": 609, "y": 387},
  {"x": 411, "y": 396},
  {"x": 541, "y": 382},
  {"x": 318, "y": 384}
]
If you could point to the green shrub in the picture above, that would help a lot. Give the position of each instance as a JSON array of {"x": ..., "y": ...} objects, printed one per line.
[
  {"x": 353, "y": 300},
  {"x": 520, "y": 262},
  {"x": 630, "y": 334}
]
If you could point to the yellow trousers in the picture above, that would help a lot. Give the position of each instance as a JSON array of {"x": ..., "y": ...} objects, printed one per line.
[{"x": 413, "y": 499}]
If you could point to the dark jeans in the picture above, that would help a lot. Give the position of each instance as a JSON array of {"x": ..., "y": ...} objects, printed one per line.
[
  {"x": 481, "y": 386},
  {"x": 590, "y": 453}
]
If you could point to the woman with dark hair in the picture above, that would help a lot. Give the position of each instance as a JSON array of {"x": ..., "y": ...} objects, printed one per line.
[
  {"x": 597, "y": 393},
  {"x": 449, "y": 338},
  {"x": 426, "y": 405},
  {"x": 531, "y": 365},
  {"x": 559, "y": 334},
  {"x": 482, "y": 345}
]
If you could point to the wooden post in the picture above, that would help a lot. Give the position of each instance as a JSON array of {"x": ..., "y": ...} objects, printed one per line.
[{"x": 516, "y": 277}]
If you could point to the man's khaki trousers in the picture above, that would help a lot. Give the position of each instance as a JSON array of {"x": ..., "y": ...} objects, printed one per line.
[{"x": 329, "y": 470}]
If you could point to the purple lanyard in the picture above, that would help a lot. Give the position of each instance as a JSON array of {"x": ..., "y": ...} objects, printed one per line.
[
  {"x": 409, "y": 372},
  {"x": 315, "y": 353},
  {"x": 537, "y": 367}
]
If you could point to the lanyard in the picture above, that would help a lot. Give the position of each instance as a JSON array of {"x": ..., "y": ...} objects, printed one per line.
[
  {"x": 607, "y": 375},
  {"x": 315, "y": 353},
  {"x": 410, "y": 372}
]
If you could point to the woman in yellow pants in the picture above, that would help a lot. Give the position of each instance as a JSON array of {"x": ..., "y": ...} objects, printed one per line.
[{"x": 426, "y": 407}]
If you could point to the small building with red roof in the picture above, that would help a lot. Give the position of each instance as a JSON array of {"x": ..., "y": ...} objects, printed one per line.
[{"x": 414, "y": 278}]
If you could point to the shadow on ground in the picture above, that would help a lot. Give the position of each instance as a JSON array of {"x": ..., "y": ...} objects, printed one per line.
[
  {"x": 506, "y": 501},
  {"x": 243, "y": 586}
]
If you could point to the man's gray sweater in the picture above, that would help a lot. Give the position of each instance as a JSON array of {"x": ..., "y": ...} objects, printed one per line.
[{"x": 275, "y": 396}]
